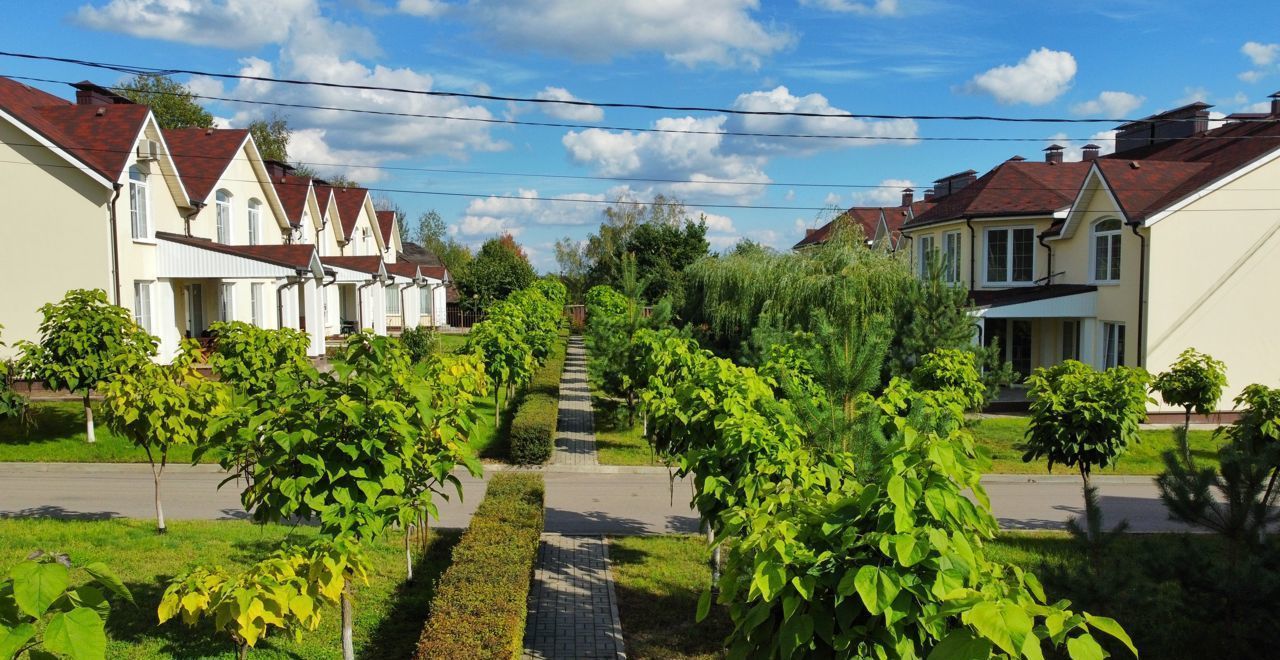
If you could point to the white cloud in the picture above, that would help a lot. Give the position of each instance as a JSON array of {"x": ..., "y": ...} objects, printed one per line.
[
  {"x": 1260, "y": 54},
  {"x": 1040, "y": 77},
  {"x": 567, "y": 112},
  {"x": 873, "y": 8},
  {"x": 832, "y": 199},
  {"x": 791, "y": 195},
  {"x": 473, "y": 225},
  {"x": 689, "y": 32},
  {"x": 780, "y": 99},
  {"x": 889, "y": 193},
  {"x": 1191, "y": 95},
  {"x": 716, "y": 223},
  {"x": 1072, "y": 149},
  {"x": 424, "y": 8},
  {"x": 1110, "y": 104},
  {"x": 492, "y": 215},
  {"x": 232, "y": 24}
]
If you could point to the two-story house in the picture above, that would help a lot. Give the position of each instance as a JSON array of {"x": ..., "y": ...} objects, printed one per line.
[{"x": 880, "y": 226}]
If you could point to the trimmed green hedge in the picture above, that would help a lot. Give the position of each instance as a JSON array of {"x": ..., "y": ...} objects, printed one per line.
[
  {"x": 531, "y": 438},
  {"x": 480, "y": 604}
]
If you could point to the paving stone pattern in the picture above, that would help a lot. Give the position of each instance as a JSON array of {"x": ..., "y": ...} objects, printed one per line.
[
  {"x": 575, "y": 426},
  {"x": 573, "y": 611}
]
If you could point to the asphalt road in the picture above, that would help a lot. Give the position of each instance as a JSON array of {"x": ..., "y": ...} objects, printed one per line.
[{"x": 609, "y": 501}]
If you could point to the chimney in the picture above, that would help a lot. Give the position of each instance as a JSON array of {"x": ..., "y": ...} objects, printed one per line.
[
  {"x": 277, "y": 169},
  {"x": 1053, "y": 154},
  {"x": 809, "y": 232},
  {"x": 88, "y": 93},
  {"x": 1275, "y": 104},
  {"x": 928, "y": 195},
  {"x": 908, "y": 196},
  {"x": 1090, "y": 152},
  {"x": 1186, "y": 121}
]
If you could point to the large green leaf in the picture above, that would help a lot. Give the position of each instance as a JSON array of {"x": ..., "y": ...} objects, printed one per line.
[
  {"x": 961, "y": 644},
  {"x": 1005, "y": 624},
  {"x": 876, "y": 587},
  {"x": 36, "y": 585},
  {"x": 1109, "y": 626},
  {"x": 78, "y": 634},
  {"x": 107, "y": 578},
  {"x": 12, "y": 639},
  {"x": 1085, "y": 647}
]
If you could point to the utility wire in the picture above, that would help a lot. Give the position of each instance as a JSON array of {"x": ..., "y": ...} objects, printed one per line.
[{"x": 146, "y": 70}]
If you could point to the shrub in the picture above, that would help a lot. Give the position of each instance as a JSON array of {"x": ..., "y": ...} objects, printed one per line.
[
  {"x": 480, "y": 604},
  {"x": 953, "y": 371},
  {"x": 420, "y": 342},
  {"x": 252, "y": 358},
  {"x": 533, "y": 429}
]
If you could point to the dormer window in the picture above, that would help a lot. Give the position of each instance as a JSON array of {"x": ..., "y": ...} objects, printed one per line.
[
  {"x": 1106, "y": 250},
  {"x": 139, "y": 211},
  {"x": 255, "y": 222},
  {"x": 222, "y": 207}
]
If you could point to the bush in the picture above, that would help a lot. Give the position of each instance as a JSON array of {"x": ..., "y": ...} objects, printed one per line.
[
  {"x": 480, "y": 604},
  {"x": 954, "y": 371},
  {"x": 420, "y": 342},
  {"x": 533, "y": 428}
]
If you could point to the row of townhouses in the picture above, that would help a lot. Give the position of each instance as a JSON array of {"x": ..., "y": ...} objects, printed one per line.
[
  {"x": 189, "y": 227},
  {"x": 1170, "y": 242}
]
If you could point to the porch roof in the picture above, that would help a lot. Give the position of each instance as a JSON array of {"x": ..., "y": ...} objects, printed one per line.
[
  {"x": 356, "y": 269},
  {"x": 188, "y": 256},
  {"x": 1048, "y": 301}
]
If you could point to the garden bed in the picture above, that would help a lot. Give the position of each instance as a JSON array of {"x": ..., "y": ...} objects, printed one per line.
[{"x": 389, "y": 613}]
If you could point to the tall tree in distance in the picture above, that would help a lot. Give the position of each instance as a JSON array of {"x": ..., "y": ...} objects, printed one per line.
[
  {"x": 272, "y": 137},
  {"x": 433, "y": 235},
  {"x": 661, "y": 234},
  {"x": 571, "y": 256},
  {"x": 499, "y": 268},
  {"x": 171, "y": 101}
]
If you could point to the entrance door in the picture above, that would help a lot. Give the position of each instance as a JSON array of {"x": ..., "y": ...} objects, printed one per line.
[
  {"x": 1020, "y": 346},
  {"x": 195, "y": 311}
]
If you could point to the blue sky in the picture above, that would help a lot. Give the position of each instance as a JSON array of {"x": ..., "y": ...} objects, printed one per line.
[{"x": 1079, "y": 58}]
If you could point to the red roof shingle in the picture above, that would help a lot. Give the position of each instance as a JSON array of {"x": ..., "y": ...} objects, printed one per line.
[
  {"x": 386, "y": 224},
  {"x": 350, "y": 201},
  {"x": 296, "y": 256},
  {"x": 292, "y": 191},
  {"x": 1013, "y": 188},
  {"x": 372, "y": 265},
  {"x": 202, "y": 155}
]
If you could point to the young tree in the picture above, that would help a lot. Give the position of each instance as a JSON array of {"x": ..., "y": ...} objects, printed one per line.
[
  {"x": 1084, "y": 418},
  {"x": 508, "y": 359},
  {"x": 12, "y": 404},
  {"x": 953, "y": 371},
  {"x": 83, "y": 339},
  {"x": 171, "y": 101},
  {"x": 159, "y": 407},
  {"x": 272, "y": 137},
  {"x": 253, "y": 358},
  {"x": 1194, "y": 382},
  {"x": 500, "y": 268},
  {"x": 431, "y": 229}
]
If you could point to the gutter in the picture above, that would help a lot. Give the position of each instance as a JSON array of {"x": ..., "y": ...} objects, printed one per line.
[
  {"x": 1142, "y": 288},
  {"x": 186, "y": 219},
  {"x": 973, "y": 253},
  {"x": 1048, "y": 278},
  {"x": 115, "y": 242}
]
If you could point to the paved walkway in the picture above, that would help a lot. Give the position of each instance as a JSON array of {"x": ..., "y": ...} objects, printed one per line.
[
  {"x": 575, "y": 428},
  {"x": 573, "y": 611}
]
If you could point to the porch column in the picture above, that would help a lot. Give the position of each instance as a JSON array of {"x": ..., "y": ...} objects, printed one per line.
[
  {"x": 409, "y": 311},
  {"x": 1089, "y": 342},
  {"x": 315, "y": 315},
  {"x": 164, "y": 318},
  {"x": 378, "y": 303}
]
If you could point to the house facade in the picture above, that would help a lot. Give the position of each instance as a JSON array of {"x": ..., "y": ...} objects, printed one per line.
[
  {"x": 183, "y": 227},
  {"x": 1125, "y": 259}
]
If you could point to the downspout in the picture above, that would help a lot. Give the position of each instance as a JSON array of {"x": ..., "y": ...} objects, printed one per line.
[
  {"x": 359, "y": 306},
  {"x": 186, "y": 219},
  {"x": 1048, "y": 276},
  {"x": 280, "y": 300},
  {"x": 1142, "y": 288},
  {"x": 973, "y": 252},
  {"x": 115, "y": 243}
]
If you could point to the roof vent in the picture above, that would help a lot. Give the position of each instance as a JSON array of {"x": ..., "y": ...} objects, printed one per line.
[
  {"x": 100, "y": 112},
  {"x": 1133, "y": 164},
  {"x": 1053, "y": 154},
  {"x": 208, "y": 131},
  {"x": 1017, "y": 159}
]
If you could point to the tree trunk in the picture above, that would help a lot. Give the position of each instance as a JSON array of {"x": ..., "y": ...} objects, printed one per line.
[
  {"x": 88, "y": 419},
  {"x": 1088, "y": 507},
  {"x": 408, "y": 552},
  {"x": 348, "y": 645},
  {"x": 715, "y": 561},
  {"x": 160, "y": 527},
  {"x": 497, "y": 409},
  {"x": 242, "y": 650}
]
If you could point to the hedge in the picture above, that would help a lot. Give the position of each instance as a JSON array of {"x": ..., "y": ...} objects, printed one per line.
[
  {"x": 531, "y": 438},
  {"x": 480, "y": 603}
]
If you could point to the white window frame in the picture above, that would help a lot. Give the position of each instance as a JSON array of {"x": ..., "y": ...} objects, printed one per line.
[
  {"x": 227, "y": 302},
  {"x": 951, "y": 262},
  {"x": 223, "y": 220},
  {"x": 255, "y": 303},
  {"x": 140, "y": 205},
  {"x": 424, "y": 301},
  {"x": 1113, "y": 344},
  {"x": 1114, "y": 250},
  {"x": 926, "y": 248},
  {"x": 1008, "y": 257},
  {"x": 255, "y": 221},
  {"x": 142, "y": 304}
]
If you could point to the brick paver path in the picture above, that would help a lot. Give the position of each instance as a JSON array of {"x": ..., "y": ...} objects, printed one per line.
[
  {"x": 575, "y": 428},
  {"x": 573, "y": 612}
]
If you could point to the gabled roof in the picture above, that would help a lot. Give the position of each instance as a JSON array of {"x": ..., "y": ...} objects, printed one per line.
[
  {"x": 403, "y": 269},
  {"x": 419, "y": 255},
  {"x": 370, "y": 265},
  {"x": 350, "y": 201},
  {"x": 866, "y": 217},
  {"x": 203, "y": 154},
  {"x": 1012, "y": 188},
  {"x": 99, "y": 136},
  {"x": 386, "y": 224},
  {"x": 293, "y": 195},
  {"x": 295, "y": 256}
]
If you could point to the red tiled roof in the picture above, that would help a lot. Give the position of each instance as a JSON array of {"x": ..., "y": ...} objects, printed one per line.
[
  {"x": 103, "y": 141},
  {"x": 418, "y": 255},
  {"x": 372, "y": 265},
  {"x": 403, "y": 269},
  {"x": 386, "y": 223},
  {"x": 350, "y": 200},
  {"x": 1140, "y": 190},
  {"x": 202, "y": 155},
  {"x": 296, "y": 256},
  {"x": 866, "y": 217},
  {"x": 1012, "y": 188},
  {"x": 293, "y": 195}
]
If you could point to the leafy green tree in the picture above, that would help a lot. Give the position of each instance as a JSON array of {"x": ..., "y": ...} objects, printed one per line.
[
  {"x": 161, "y": 406},
  {"x": 43, "y": 616},
  {"x": 508, "y": 358},
  {"x": 572, "y": 259},
  {"x": 12, "y": 404},
  {"x": 252, "y": 358},
  {"x": 500, "y": 268},
  {"x": 935, "y": 315},
  {"x": 1084, "y": 418},
  {"x": 1194, "y": 383},
  {"x": 431, "y": 230},
  {"x": 272, "y": 137},
  {"x": 171, "y": 101},
  {"x": 954, "y": 371},
  {"x": 421, "y": 342},
  {"x": 83, "y": 341},
  {"x": 432, "y": 234},
  {"x": 663, "y": 238}
]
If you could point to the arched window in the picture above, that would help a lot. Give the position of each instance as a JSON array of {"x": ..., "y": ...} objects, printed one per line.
[
  {"x": 222, "y": 206},
  {"x": 139, "y": 214},
  {"x": 1106, "y": 250},
  {"x": 255, "y": 222}
]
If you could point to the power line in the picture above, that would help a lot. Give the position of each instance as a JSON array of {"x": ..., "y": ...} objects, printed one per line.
[{"x": 145, "y": 70}]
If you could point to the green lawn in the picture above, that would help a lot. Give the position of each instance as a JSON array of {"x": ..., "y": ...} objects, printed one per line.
[
  {"x": 618, "y": 443},
  {"x": 1003, "y": 435},
  {"x": 58, "y": 436},
  {"x": 389, "y": 613},
  {"x": 450, "y": 342},
  {"x": 659, "y": 580}
]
